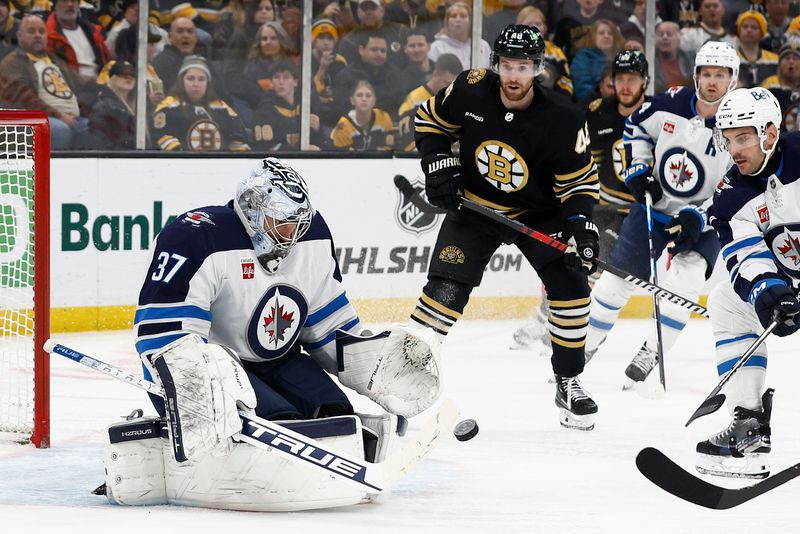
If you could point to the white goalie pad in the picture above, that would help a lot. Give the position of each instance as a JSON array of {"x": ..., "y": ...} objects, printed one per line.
[
  {"x": 254, "y": 479},
  {"x": 204, "y": 388},
  {"x": 134, "y": 462},
  {"x": 397, "y": 369}
]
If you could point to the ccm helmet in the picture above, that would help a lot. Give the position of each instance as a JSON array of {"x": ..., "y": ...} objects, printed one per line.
[
  {"x": 716, "y": 54},
  {"x": 272, "y": 203},
  {"x": 756, "y": 107},
  {"x": 520, "y": 42}
]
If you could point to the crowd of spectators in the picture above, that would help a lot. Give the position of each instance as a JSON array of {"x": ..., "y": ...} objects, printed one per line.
[{"x": 225, "y": 74}]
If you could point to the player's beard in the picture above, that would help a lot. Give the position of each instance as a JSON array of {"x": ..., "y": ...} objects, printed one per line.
[
  {"x": 515, "y": 95},
  {"x": 632, "y": 100}
]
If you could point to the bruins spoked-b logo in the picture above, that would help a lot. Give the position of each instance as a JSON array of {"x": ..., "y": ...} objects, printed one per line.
[
  {"x": 204, "y": 135},
  {"x": 501, "y": 166},
  {"x": 413, "y": 213}
]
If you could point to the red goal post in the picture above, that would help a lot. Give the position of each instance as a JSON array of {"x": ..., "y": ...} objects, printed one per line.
[{"x": 24, "y": 276}]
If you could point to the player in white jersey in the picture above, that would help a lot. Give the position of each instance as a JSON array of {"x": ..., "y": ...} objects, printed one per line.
[
  {"x": 243, "y": 308},
  {"x": 756, "y": 213},
  {"x": 669, "y": 142}
]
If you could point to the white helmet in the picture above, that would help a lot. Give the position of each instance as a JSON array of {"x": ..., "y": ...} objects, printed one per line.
[
  {"x": 756, "y": 107},
  {"x": 716, "y": 54},
  {"x": 273, "y": 205}
]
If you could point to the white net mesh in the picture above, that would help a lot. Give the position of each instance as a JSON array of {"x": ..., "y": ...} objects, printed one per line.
[{"x": 16, "y": 281}]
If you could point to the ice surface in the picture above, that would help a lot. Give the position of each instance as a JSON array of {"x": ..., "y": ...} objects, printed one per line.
[{"x": 522, "y": 473}]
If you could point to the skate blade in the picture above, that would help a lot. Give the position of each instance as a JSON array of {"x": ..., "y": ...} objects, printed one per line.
[
  {"x": 750, "y": 466},
  {"x": 575, "y": 422}
]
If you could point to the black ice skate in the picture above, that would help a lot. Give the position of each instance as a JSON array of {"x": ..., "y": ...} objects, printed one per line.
[
  {"x": 576, "y": 407},
  {"x": 740, "y": 451},
  {"x": 641, "y": 366}
]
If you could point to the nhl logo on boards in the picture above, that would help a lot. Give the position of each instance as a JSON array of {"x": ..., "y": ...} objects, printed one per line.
[
  {"x": 248, "y": 269},
  {"x": 452, "y": 254},
  {"x": 669, "y": 127},
  {"x": 413, "y": 214},
  {"x": 276, "y": 321}
]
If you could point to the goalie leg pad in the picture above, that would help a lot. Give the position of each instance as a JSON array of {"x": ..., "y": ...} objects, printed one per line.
[
  {"x": 254, "y": 479},
  {"x": 398, "y": 369},
  {"x": 134, "y": 462},
  {"x": 204, "y": 385}
]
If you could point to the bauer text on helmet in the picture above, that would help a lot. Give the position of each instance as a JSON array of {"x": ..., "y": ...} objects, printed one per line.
[{"x": 748, "y": 118}]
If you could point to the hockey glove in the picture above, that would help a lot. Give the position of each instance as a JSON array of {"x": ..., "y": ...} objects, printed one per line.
[
  {"x": 442, "y": 180},
  {"x": 686, "y": 226},
  {"x": 583, "y": 246},
  {"x": 773, "y": 299},
  {"x": 639, "y": 179}
]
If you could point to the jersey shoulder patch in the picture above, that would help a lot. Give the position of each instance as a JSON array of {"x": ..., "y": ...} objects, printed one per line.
[
  {"x": 475, "y": 75},
  {"x": 206, "y": 230},
  {"x": 594, "y": 104},
  {"x": 733, "y": 192}
]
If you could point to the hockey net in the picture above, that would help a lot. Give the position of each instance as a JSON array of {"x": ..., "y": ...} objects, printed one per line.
[{"x": 24, "y": 277}]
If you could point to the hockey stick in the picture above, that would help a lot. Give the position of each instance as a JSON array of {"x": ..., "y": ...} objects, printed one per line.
[
  {"x": 715, "y": 399},
  {"x": 654, "y": 279},
  {"x": 368, "y": 477},
  {"x": 414, "y": 197},
  {"x": 672, "y": 478}
]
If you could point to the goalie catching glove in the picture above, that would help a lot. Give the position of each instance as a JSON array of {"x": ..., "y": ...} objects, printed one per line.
[
  {"x": 397, "y": 369},
  {"x": 204, "y": 386}
]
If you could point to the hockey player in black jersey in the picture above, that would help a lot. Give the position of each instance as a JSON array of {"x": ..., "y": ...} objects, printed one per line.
[
  {"x": 606, "y": 120},
  {"x": 525, "y": 153}
]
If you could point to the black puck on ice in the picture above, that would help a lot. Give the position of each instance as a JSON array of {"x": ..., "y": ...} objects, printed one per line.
[{"x": 466, "y": 430}]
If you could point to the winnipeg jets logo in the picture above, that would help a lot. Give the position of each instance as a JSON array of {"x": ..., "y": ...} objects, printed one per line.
[
  {"x": 681, "y": 172},
  {"x": 790, "y": 249},
  {"x": 277, "y": 322},
  {"x": 784, "y": 242},
  {"x": 196, "y": 218},
  {"x": 275, "y": 325}
]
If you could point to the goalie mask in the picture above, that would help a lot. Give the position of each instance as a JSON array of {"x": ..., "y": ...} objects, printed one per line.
[{"x": 273, "y": 204}]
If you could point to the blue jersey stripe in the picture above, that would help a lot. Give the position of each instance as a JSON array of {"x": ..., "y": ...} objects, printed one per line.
[
  {"x": 156, "y": 343},
  {"x": 753, "y": 361},
  {"x": 735, "y": 339},
  {"x": 172, "y": 312},
  {"x": 326, "y": 311},
  {"x": 321, "y": 343},
  {"x": 733, "y": 247}
]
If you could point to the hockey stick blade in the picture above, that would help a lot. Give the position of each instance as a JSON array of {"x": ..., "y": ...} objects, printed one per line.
[
  {"x": 710, "y": 405},
  {"x": 369, "y": 477},
  {"x": 672, "y": 478}
]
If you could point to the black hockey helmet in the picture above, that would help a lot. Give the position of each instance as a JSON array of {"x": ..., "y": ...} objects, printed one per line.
[
  {"x": 519, "y": 42},
  {"x": 630, "y": 61}
]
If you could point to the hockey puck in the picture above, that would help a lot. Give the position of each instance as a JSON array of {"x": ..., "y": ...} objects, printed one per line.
[{"x": 466, "y": 430}]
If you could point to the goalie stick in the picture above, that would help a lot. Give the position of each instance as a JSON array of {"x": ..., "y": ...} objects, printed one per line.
[
  {"x": 402, "y": 183},
  {"x": 373, "y": 478},
  {"x": 672, "y": 478}
]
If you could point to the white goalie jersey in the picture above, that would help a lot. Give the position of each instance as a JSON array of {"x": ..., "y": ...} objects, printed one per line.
[
  {"x": 204, "y": 278},
  {"x": 668, "y": 135}
]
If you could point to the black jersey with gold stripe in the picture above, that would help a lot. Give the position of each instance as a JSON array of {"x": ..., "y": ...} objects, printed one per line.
[
  {"x": 606, "y": 125},
  {"x": 536, "y": 161}
]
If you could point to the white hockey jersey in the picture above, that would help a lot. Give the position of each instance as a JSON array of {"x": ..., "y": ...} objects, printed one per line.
[
  {"x": 204, "y": 278},
  {"x": 758, "y": 221},
  {"x": 668, "y": 135}
]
